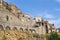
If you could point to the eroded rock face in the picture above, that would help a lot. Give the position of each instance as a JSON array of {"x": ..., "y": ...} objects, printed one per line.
[
  {"x": 12, "y": 21},
  {"x": 11, "y": 18},
  {"x": 14, "y": 9},
  {"x": 5, "y": 4}
]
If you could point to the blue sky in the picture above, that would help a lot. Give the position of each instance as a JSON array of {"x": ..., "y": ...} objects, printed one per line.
[{"x": 47, "y": 9}]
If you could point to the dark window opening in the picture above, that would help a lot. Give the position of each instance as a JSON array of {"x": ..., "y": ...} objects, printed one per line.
[
  {"x": 7, "y": 18},
  {"x": 23, "y": 15},
  {"x": 38, "y": 23},
  {"x": 35, "y": 26},
  {"x": 8, "y": 28},
  {"x": 14, "y": 28},
  {"x": 42, "y": 24},
  {"x": 21, "y": 29}
]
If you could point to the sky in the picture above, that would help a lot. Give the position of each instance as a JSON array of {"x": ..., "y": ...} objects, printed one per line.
[{"x": 47, "y": 9}]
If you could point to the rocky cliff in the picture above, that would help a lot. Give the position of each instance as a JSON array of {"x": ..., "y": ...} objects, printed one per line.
[
  {"x": 14, "y": 25},
  {"x": 11, "y": 16}
]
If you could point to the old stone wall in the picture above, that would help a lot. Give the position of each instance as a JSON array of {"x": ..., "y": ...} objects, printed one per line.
[{"x": 11, "y": 19}]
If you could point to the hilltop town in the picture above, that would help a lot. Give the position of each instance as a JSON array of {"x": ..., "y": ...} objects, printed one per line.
[{"x": 15, "y": 25}]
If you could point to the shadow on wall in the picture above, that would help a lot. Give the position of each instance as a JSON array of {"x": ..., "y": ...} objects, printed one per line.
[{"x": 1, "y": 27}]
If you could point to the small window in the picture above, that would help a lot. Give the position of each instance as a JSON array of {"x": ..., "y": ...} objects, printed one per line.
[
  {"x": 26, "y": 29},
  {"x": 21, "y": 29},
  {"x": 14, "y": 28},
  {"x": 7, "y": 18},
  {"x": 39, "y": 23},
  {"x": 36, "y": 26},
  {"x": 30, "y": 30},
  {"x": 23, "y": 15},
  {"x": 8, "y": 28},
  {"x": 42, "y": 24}
]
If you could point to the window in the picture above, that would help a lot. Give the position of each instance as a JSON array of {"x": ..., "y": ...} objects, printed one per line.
[
  {"x": 38, "y": 23},
  {"x": 14, "y": 28},
  {"x": 21, "y": 29},
  {"x": 32, "y": 30},
  {"x": 7, "y": 18},
  {"x": 23, "y": 15},
  {"x": 36, "y": 26},
  {"x": 8, "y": 28},
  {"x": 42, "y": 24}
]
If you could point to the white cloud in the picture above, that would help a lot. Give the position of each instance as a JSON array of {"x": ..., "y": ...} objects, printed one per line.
[
  {"x": 45, "y": 14},
  {"x": 48, "y": 16},
  {"x": 58, "y": 1},
  {"x": 56, "y": 22}
]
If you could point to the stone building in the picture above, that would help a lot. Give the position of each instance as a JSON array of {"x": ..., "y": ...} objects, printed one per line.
[
  {"x": 14, "y": 19},
  {"x": 58, "y": 30},
  {"x": 43, "y": 27}
]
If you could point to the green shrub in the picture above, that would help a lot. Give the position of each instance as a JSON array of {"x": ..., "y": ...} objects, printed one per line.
[{"x": 53, "y": 36}]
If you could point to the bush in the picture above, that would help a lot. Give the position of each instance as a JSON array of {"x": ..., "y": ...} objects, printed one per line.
[{"x": 53, "y": 36}]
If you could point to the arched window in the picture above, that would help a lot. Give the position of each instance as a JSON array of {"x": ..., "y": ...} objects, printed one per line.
[
  {"x": 1, "y": 27},
  {"x": 14, "y": 28},
  {"x": 26, "y": 29},
  {"x": 32, "y": 30},
  {"x": 8, "y": 28},
  {"x": 21, "y": 29}
]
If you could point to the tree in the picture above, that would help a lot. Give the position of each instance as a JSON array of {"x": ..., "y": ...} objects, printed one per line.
[{"x": 53, "y": 36}]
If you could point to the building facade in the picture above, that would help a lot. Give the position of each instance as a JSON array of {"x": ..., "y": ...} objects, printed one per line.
[{"x": 11, "y": 18}]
